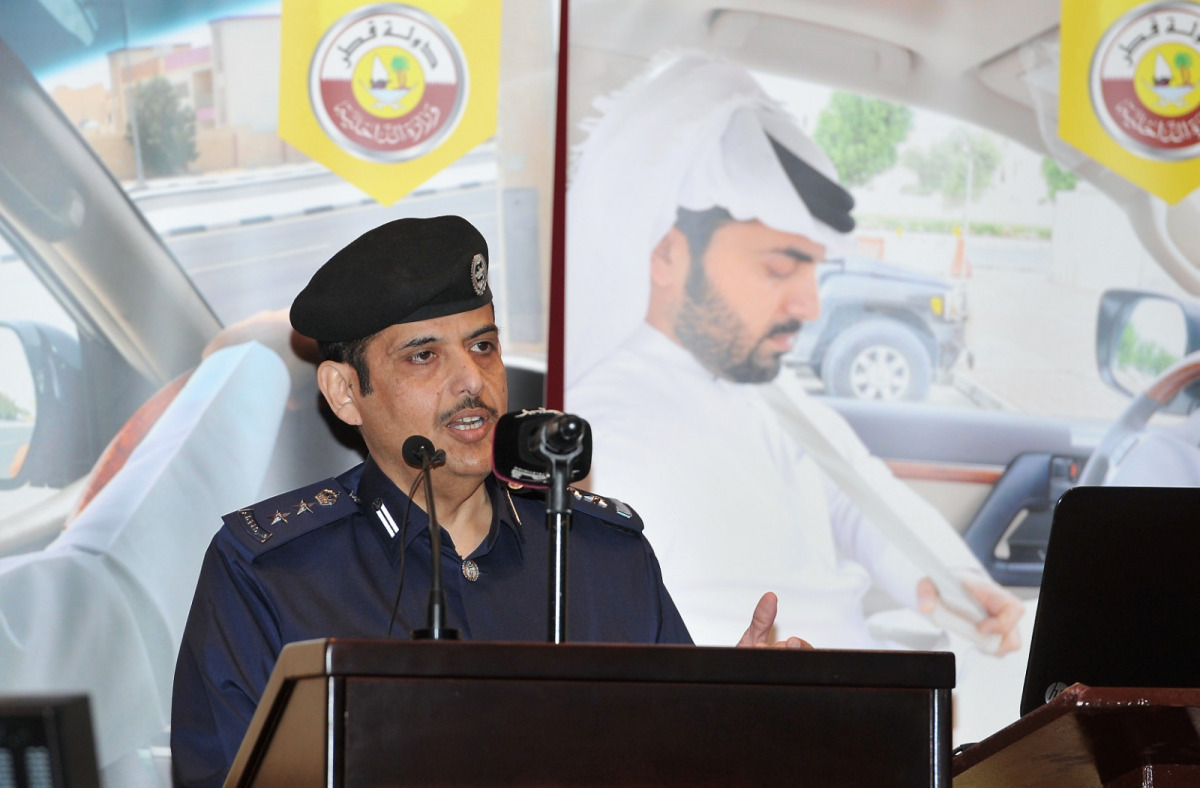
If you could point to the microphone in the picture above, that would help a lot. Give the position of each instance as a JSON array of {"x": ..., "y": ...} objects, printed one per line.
[
  {"x": 526, "y": 442},
  {"x": 546, "y": 449},
  {"x": 560, "y": 435},
  {"x": 418, "y": 452}
]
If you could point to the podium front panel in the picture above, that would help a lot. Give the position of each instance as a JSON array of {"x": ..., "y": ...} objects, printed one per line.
[
  {"x": 367, "y": 713},
  {"x": 481, "y": 732}
]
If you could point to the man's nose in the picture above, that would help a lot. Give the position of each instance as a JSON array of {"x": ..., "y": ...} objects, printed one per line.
[
  {"x": 466, "y": 376},
  {"x": 803, "y": 297}
]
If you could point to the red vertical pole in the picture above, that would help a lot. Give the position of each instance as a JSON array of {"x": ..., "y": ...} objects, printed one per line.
[{"x": 556, "y": 340}]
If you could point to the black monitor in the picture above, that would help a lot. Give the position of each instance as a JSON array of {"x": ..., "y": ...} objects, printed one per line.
[
  {"x": 1118, "y": 605},
  {"x": 46, "y": 742}
]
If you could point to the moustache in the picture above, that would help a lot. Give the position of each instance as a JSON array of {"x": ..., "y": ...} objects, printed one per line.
[
  {"x": 466, "y": 403},
  {"x": 786, "y": 327}
]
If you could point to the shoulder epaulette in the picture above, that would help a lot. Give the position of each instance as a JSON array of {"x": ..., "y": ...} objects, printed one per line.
[
  {"x": 611, "y": 511},
  {"x": 275, "y": 521}
]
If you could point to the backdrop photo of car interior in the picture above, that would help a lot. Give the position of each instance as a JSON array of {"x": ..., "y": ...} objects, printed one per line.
[{"x": 734, "y": 391}]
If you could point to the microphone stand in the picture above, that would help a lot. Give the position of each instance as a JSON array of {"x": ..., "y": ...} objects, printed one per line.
[
  {"x": 560, "y": 450},
  {"x": 558, "y": 520},
  {"x": 436, "y": 617}
]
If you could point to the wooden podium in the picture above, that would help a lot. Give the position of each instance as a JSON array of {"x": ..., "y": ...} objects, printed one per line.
[
  {"x": 386, "y": 712},
  {"x": 1114, "y": 737}
]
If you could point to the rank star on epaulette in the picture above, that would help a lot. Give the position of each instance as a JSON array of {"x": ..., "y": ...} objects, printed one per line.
[
  {"x": 326, "y": 497},
  {"x": 303, "y": 507},
  {"x": 279, "y": 517},
  {"x": 590, "y": 498}
]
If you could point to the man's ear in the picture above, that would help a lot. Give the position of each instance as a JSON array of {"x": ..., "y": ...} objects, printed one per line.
[
  {"x": 339, "y": 383},
  {"x": 670, "y": 260}
]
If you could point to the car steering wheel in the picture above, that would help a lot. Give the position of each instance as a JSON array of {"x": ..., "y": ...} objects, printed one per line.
[{"x": 1133, "y": 420}]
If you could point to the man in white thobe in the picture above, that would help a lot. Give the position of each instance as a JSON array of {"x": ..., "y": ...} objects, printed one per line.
[{"x": 711, "y": 209}]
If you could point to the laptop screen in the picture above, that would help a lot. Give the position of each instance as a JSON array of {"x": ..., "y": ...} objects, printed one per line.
[
  {"x": 46, "y": 740},
  {"x": 1120, "y": 599}
]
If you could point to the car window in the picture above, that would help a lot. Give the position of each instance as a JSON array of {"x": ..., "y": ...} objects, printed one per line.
[
  {"x": 1008, "y": 281},
  {"x": 247, "y": 216}
]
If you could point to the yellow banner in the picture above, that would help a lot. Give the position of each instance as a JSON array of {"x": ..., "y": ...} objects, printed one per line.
[
  {"x": 388, "y": 94},
  {"x": 1129, "y": 91}
]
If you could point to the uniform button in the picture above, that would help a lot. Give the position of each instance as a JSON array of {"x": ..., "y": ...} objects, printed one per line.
[{"x": 470, "y": 570}]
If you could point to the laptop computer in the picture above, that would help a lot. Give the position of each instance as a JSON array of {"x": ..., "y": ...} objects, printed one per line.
[
  {"x": 46, "y": 740},
  {"x": 1120, "y": 598}
]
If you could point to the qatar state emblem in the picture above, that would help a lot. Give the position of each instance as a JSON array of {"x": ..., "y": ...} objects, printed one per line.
[
  {"x": 388, "y": 82},
  {"x": 1145, "y": 81}
]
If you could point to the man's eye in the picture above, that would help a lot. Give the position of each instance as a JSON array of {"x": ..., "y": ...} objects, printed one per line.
[
  {"x": 786, "y": 267},
  {"x": 485, "y": 346},
  {"x": 421, "y": 357}
]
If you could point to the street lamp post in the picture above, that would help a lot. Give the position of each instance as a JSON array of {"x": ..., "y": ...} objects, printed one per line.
[{"x": 131, "y": 103}]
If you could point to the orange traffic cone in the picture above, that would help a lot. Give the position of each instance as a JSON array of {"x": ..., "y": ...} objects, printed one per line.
[{"x": 960, "y": 266}]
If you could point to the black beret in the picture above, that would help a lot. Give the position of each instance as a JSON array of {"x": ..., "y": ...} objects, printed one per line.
[{"x": 400, "y": 272}]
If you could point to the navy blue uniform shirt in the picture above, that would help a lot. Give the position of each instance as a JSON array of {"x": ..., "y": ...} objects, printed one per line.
[{"x": 325, "y": 561}]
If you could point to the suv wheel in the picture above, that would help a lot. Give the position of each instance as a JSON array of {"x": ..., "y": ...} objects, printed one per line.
[{"x": 877, "y": 359}]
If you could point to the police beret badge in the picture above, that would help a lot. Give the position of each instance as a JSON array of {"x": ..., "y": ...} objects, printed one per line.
[{"x": 479, "y": 274}]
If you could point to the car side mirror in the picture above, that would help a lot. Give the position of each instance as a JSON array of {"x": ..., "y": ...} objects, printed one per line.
[
  {"x": 18, "y": 406},
  {"x": 43, "y": 434},
  {"x": 1139, "y": 335}
]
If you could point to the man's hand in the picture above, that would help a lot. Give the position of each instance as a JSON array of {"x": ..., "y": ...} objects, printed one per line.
[
  {"x": 1003, "y": 609},
  {"x": 762, "y": 622}
]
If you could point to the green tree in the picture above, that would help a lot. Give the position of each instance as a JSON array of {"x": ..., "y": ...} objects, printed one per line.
[
  {"x": 1183, "y": 62},
  {"x": 946, "y": 166},
  {"x": 166, "y": 129},
  {"x": 1057, "y": 179},
  {"x": 1142, "y": 355},
  {"x": 861, "y": 134},
  {"x": 10, "y": 410}
]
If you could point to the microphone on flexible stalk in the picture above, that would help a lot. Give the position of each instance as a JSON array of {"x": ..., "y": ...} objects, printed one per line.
[
  {"x": 418, "y": 452},
  {"x": 547, "y": 449},
  {"x": 525, "y": 441},
  {"x": 562, "y": 434}
]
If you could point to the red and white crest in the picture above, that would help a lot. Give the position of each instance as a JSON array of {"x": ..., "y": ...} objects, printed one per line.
[
  {"x": 388, "y": 82},
  {"x": 1145, "y": 81}
]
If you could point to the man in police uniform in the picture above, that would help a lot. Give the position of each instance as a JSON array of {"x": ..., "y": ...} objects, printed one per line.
[{"x": 404, "y": 320}]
